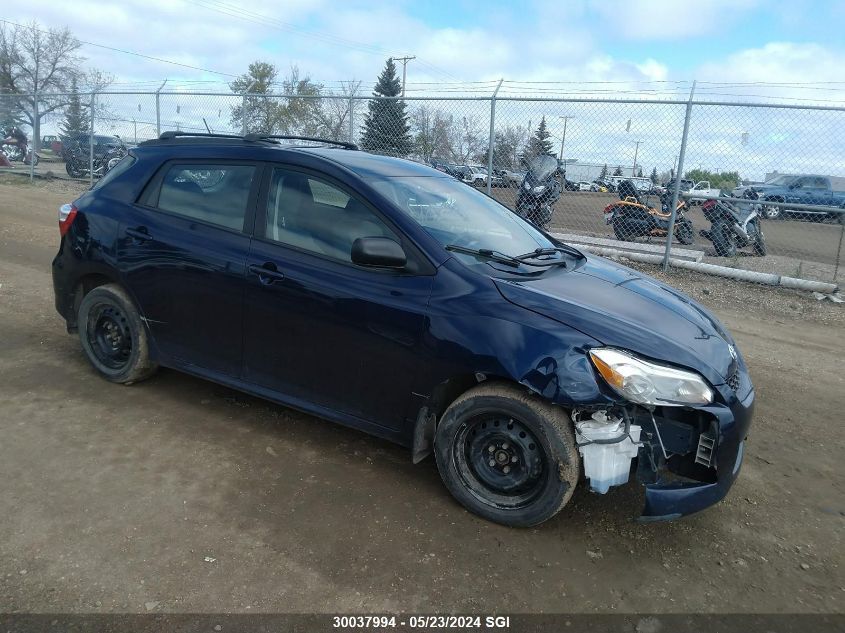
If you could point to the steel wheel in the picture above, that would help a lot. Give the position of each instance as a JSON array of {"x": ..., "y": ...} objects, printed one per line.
[
  {"x": 500, "y": 461},
  {"x": 109, "y": 336},
  {"x": 507, "y": 455},
  {"x": 113, "y": 336}
]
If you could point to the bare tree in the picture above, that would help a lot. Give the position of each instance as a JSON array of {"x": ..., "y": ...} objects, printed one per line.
[
  {"x": 432, "y": 131},
  {"x": 333, "y": 115},
  {"x": 38, "y": 62},
  {"x": 466, "y": 139}
]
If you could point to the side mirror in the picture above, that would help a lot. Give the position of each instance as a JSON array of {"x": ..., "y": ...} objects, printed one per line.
[{"x": 381, "y": 252}]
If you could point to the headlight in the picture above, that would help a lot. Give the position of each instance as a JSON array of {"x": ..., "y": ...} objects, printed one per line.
[
  {"x": 643, "y": 382},
  {"x": 527, "y": 186},
  {"x": 538, "y": 189}
]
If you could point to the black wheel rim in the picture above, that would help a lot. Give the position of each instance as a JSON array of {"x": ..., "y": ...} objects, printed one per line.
[
  {"x": 500, "y": 461},
  {"x": 109, "y": 336}
]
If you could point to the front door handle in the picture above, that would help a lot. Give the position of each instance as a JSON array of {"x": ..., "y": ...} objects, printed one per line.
[
  {"x": 267, "y": 274},
  {"x": 139, "y": 234}
]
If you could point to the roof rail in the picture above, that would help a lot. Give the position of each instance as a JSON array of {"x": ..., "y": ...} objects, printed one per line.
[
  {"x": 169, "y": 134},
  {"x": 254, "y": 138},
  {"x": 288, "y": 137}
]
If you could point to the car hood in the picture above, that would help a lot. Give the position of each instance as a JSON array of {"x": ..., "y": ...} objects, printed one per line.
[{"x": 626, "y": 309}]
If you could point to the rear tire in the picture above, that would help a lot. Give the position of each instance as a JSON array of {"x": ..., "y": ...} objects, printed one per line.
[
  {"x": 72, "y": 168},
  {"x": 620, "y": 230},
  {"x": 723, "y": 240},
  {"x": 533, "y": 468},
  {"x": 113, "y": 336},
  {"x": 760, "y": 242}
]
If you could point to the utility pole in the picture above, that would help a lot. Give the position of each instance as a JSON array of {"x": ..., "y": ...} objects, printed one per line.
[
  {"x": 636, "y": 151},
  {"x": 563, "y": 138},
  {"x": 404, "y": 61}
]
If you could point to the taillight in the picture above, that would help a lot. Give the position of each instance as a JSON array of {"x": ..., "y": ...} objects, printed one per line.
[{"x": 67, "y": 214}]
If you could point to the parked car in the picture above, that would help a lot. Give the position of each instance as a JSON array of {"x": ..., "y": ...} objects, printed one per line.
[
  {"x": 380, "y": 294},
  {"x": 447, "y": 168},
  {"x": 584, "y": 186},
  {"x": 479, "y": 175},
  {"x": 686, "y": 185},
  {"x": 78, "y": 144},
  {"x": 510, "y": 178},
  {"x": 801, "y": 189},
  {"x": 52, "y": 143},
  {"x": 598, "y": 187}
]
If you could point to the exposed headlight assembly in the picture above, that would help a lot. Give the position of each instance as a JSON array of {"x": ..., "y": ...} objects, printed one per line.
[
  {"x": 644, "y": 382},
  {"x": 538, "y": 189}
]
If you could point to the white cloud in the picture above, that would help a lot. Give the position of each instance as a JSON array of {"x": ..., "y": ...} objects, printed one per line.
[{"x": 668, "y": 19}]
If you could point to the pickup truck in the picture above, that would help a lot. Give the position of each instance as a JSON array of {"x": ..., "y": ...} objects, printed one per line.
[
  {"x": 801, "y": 189},
  {"x": 702, "y": 188}
]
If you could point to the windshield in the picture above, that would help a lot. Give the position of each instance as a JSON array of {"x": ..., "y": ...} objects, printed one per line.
[
  {"x": 455, "y": 214},
  {"x": 541, "y": 167}
]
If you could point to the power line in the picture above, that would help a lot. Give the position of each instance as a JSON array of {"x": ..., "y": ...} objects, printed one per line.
[{"x": 126, "y": 52}]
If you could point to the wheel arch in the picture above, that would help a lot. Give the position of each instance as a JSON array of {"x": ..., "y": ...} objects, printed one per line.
[{"x": 84, "y": 284}]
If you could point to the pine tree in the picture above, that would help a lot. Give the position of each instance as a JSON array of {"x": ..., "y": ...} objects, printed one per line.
[
  {"x": 603, "y": 174},
  {"x": 617, "y": 171},
  {"x": 654, "y": 177},
  {"x": 386, "y": 129},
  {"x": 76, "y": 119},
  {"x": 540, "y": 143},
  {"x": 639, "y": 172}
]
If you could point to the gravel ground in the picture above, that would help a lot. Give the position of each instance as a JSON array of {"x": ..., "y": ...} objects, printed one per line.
[{"x": 177, "y": 495}]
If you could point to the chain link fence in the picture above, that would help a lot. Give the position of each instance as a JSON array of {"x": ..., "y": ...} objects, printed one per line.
[{"x": 778, "y": 170}]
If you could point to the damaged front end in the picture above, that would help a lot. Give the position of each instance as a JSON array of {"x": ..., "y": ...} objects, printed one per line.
[{"x": 687, "y": 457}]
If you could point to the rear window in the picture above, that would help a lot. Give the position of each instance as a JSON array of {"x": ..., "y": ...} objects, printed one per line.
[
  {"x": 125, "y": 163},
  {"x": 217, "y": 194}
]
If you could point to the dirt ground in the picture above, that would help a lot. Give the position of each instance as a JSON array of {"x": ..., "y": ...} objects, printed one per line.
[{"x": 177, "y": 495}]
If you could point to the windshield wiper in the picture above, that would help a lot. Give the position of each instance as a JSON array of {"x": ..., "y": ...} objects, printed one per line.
[
  {"x": 551, "y": 250},
  {"x": 495, "y": 256}
]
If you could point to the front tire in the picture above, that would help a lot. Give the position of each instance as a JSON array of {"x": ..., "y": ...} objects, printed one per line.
[
  {"x": 113, "y": 336},
  {"x": 533, "y": 467},
  {"x": 684, "y": 232}
]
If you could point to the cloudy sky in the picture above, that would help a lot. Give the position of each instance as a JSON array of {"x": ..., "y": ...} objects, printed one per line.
[
  {"x": 789, "y": 51},
  {"x": 723, "y": 41}
]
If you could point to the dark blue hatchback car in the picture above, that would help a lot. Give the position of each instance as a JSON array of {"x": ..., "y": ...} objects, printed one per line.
[{"x": 384, "y": 295}]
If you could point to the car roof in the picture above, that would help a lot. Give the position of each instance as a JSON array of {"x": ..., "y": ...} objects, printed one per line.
[
  {"x": 365, "y": 164},
  {"x": 361, "y": 163}
]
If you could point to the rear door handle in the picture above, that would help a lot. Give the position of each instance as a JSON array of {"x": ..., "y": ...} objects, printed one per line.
[
  {"x": 140, "y": 233},
  {"x": 267, "y": 274}
]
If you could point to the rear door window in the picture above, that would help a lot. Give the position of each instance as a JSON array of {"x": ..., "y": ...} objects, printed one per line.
[{"x": 213, "y": 193}]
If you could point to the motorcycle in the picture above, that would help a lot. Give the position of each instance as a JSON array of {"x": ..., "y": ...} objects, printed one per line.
[
  {"x": 78, "y": 160},
  {"x": 632, "y": 217},
  {"x": 15, "y": 148},
  {"x": 539, "y": 190},
  {"x": 734, "y": 226}
]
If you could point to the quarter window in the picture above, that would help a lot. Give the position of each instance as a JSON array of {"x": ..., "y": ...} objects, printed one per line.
[
  {"x": 316, "y": 216},
  {"x": 217, "y": 194}
]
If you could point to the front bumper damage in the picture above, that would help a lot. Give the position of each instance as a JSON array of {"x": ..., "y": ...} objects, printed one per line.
[
  {"x": 687, "y": 457},
  {"x": 694, "y": 486}
]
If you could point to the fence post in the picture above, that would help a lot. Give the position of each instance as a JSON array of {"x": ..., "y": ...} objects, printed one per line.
[
  {"x": 351, "y": 124},
  {"x": 678, "y": 175},
  {"x": 158, "y": 109},
  {"x": 839, "y": 248},
  {"x": 243, "y": 115},
  {"x": 34, "y": 143},
  {"x": 491, "y": 138},
  {"x": 91, "y": 141}
]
